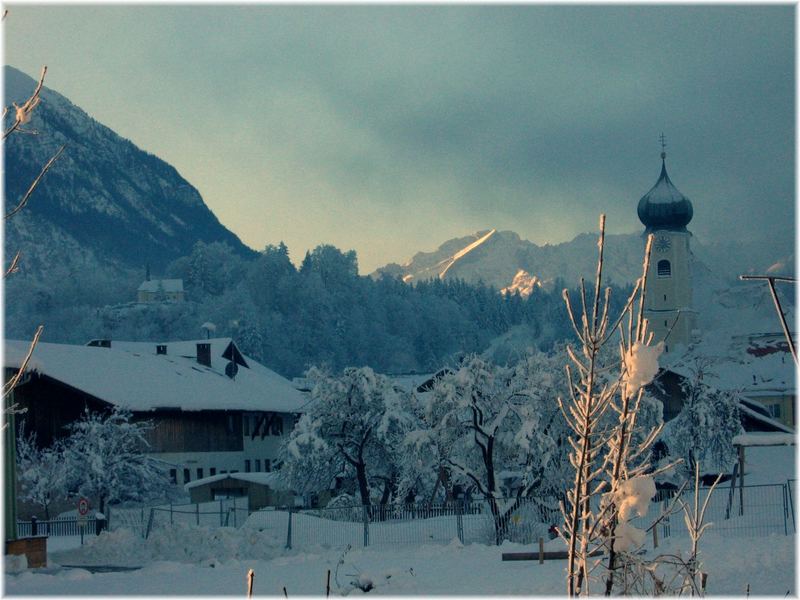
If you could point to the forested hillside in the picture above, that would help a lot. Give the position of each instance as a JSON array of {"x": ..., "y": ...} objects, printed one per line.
[{"x": 322, "y": 313}]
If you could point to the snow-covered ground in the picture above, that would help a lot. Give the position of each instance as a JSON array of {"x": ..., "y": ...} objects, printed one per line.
[
  {"x": 766, "y": 564},
  {"x": 184, "y": 559}
]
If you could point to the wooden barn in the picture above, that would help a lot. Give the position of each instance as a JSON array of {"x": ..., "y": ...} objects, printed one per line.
[{"x": 214, "y": 410}]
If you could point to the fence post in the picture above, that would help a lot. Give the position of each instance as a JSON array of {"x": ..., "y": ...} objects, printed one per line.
[
  {"x": 197, "y": 512},
  {"x": 34, "y": 526},
  {"x": 234, "y": 512},
  {"x": 289, "y": 531},
  {"x": 791, "y": 502},
  {"x": 220, "y": 512},
  {"x": 460, "y": 520},
  {"x": 785, "y": 512},
  {"x": 149, "y": 523},
  {"x": 365, "y": 513},
  {"x": 170, "y": 513}
]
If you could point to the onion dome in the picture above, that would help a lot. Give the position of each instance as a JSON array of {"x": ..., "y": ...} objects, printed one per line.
[{"x": 664, "y": 207}]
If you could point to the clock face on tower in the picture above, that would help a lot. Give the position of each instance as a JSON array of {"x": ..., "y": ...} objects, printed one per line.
[{"x": 662, "y": 243}]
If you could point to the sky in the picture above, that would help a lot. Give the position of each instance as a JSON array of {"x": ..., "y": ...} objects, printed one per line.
[{"x": 391, "y": 129}]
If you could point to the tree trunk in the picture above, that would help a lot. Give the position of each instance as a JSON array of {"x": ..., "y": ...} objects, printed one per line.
[{"x": 363, "y": 488}]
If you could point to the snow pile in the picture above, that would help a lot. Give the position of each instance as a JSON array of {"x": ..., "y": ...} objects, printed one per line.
[
  {"x": 628, "y": 538},
  {"x": 181, "y": 543},
  {"x": 15, "y": 563},
  {"x": 632, "y": 499},
  {"x": 641, "y": 365},
  {"x": 632, "y": 496}
]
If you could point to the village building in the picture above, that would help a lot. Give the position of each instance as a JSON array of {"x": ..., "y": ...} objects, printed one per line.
[
  {"x": 214, "y": 410},
  {"x": 260, "y": 489},
  {"x": 701, "y": 319},
  {"x": 161, "y": 290}
]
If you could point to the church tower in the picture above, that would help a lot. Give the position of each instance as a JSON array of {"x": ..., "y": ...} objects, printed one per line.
[{"x": 665, "y": 213}]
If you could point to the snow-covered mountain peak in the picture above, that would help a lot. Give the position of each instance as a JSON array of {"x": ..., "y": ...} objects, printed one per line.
[{"x": 524, "y": 283}]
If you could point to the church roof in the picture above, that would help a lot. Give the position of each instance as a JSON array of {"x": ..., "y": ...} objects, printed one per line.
[
  {"x": 664, "y": 206},
  {"x": 166, "y": 285}
]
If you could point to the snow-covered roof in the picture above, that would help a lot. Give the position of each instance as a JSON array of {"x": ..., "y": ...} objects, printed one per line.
[
  {"x": 270, "y": 479},
  {"x": 764, "y": 438},
  {"x": 758, "y": 416},
  {"x": 132, "y": 375},
  {"x": 165, "y": 285},
  {"x": 757, "y": 365}
]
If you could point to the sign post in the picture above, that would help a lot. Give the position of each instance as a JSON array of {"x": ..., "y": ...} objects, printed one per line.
[{"x": 83, "y": 509}]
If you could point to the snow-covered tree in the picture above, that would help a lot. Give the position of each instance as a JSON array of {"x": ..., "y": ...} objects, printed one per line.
[
  {"x": 482, "y": 422},
  {"x": 351, "y": 430},
  {"x": 704, "y": 429},
  {"x": 104, "y": 458},
  {"x": 40, "y": 472}
]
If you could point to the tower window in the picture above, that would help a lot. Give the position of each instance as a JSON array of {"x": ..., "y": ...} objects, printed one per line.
[
  {"x": 664, "y": 268},
  {"x": 665, "y": 297}
]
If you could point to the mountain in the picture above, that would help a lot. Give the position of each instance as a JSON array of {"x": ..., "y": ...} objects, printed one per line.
[
  {"x": 504, "y": 260},
  {"x": 507, "y": 262},
  {"x": 105, "y": 203}
]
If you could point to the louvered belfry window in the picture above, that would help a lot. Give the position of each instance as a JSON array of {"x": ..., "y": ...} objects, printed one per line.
[{"x": 664, "y": 268}]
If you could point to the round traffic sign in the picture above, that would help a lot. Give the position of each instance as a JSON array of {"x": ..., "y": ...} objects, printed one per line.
[{"x": 83, "y": 506}]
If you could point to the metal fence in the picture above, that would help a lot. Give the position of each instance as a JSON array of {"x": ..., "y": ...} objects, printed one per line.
[
  {"x": 747, "y": 511},
  {"x": 752, "y": 510},
  {"x": 520, "y": 520},
  {"x": 55, "y": 527}
]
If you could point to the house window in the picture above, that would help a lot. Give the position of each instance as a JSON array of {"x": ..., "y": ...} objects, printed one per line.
[
  {"x": 664, "y": 268},
  {"x": 277, "y": 425},
  {"x": 186, "y": 476},
  {"x": 173, "y": 475},
  {"x": 775, "y": 410},
  {"x": 200, "y": 473},
  {"x": 247, "y": 466},
  {"x": 267, "y": 465},
  {"x": 212, "y": 471},
  {"x": 665, "y": 322},
  {"x": 246, "y": 424},
  {"x": 665, "y": 297},
  {"x": 258, "y": 465}
]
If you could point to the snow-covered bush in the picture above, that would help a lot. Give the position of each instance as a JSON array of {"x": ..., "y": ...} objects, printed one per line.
[{"x": 40, "y": 471}]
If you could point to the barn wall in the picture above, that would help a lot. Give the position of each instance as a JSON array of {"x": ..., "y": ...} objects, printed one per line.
[
  {"x": 50, "y": 406},
  {"x": 201, "y": 431}
]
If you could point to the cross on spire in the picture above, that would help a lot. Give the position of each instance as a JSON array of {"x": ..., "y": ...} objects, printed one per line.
[{"x": 663, "y": 141}]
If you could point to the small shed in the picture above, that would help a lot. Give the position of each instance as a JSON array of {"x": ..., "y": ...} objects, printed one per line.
[{"x": 261, "y": 489}]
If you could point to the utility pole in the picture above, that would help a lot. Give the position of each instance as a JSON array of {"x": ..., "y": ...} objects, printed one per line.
[{"x": 771, "y": 283}]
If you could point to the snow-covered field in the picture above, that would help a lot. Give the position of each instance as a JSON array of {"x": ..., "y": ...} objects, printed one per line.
[
  {"x": 215, "y": 561},
  {"x": 188, "y": 560}
]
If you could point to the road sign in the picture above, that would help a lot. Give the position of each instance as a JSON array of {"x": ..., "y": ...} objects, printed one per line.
[
  {"x": 83, "y": 507},
  {"x": 82, "y": 520}
]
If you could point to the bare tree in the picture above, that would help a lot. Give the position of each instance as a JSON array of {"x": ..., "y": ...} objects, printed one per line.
[{"x": 603, "y": 454}]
